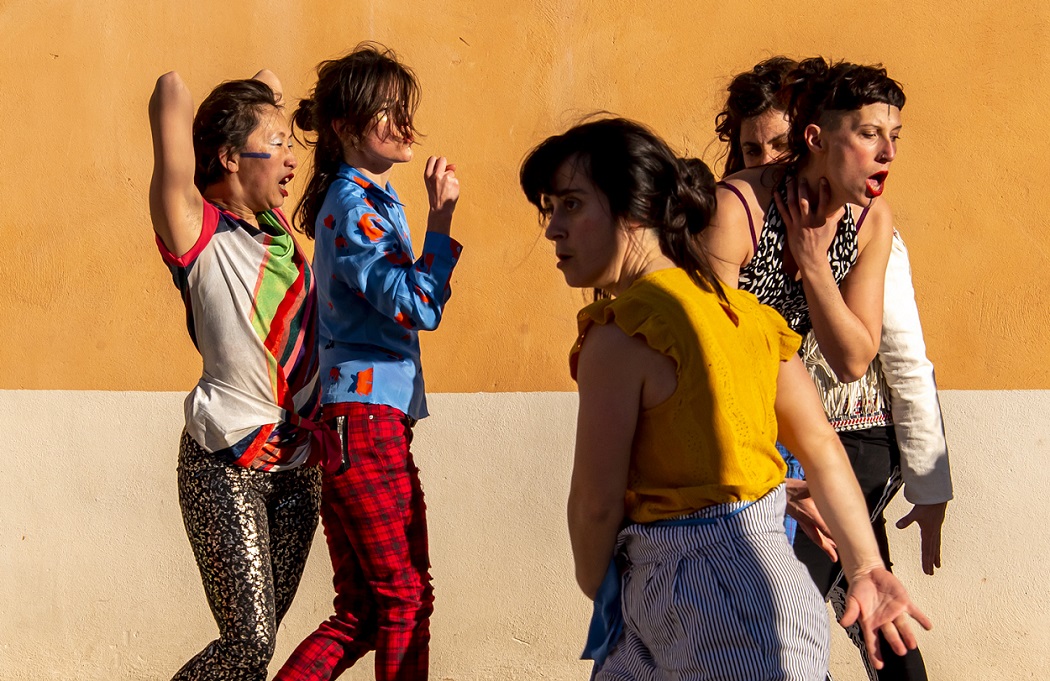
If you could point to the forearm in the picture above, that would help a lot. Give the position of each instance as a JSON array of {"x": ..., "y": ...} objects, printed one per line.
[
  {"x": 805, "y": 431},
  {"x": 837, "y": 494},
  {"x": 593, "y": 526},
  {"x": 845, "y": 341}
]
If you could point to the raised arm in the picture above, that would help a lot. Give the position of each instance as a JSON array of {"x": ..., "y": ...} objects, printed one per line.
[
  {"x": 270, "y": 78},
  {"x": 847, "y": 318},
  {"x": 176, "y": 207},
  {"x": 875, "y": 596}
]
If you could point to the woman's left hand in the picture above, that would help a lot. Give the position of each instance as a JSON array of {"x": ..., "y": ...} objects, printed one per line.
[{"x": 881, "y": 604}]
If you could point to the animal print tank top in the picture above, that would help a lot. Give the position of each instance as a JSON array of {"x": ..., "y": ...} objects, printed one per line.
[{"x": 765, "y": 277}]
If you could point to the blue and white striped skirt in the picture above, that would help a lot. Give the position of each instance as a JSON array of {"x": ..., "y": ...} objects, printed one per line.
[{"x": 718, "y": 601}]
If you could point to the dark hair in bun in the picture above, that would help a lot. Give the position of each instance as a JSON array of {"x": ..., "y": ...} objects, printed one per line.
[{"x": 642, "y": 180}]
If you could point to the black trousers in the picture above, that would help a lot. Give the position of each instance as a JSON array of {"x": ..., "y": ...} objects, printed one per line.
[{"x": 875, "y": 458}]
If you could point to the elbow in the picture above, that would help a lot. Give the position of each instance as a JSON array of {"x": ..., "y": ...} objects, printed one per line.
[
  {"x": 169, "y": 88},
  {"x": 169, "y": 82},
  {"x": 850, "y": 372},
  {"x": 851, "y": 368},
  {"x": 587, "y": 585},
  {"x": 428, "y": 321}
]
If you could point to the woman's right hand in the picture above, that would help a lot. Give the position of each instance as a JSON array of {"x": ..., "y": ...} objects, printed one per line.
[
  {"x": 443, "y": 192},
  {"x": 880, "y": 603}
]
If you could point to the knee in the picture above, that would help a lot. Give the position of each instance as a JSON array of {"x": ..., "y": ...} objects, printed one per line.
[{"x": 250, "y": 653}]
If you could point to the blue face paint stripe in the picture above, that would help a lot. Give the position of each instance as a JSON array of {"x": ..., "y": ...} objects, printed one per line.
[{"x": 254, "y": 154}]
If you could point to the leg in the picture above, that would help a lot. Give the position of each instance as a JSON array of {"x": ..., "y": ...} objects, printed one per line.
[
  {"x": 292, "y": 512},
  {"x": 347, "y": 635},
  {"x": 375, "y": 521},
  {"x": 225, "y": 518}
]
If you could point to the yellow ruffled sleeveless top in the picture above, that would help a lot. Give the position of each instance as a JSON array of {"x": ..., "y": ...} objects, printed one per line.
[{"x": 714, "y": 440}]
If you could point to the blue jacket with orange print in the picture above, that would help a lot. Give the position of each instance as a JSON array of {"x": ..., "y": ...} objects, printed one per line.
[{"x": 374, "y": 296}]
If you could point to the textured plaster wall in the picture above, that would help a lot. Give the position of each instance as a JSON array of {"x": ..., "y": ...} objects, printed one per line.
[
  {"x": 90, "y": 306},
  {"x": 99, "y": 581}
]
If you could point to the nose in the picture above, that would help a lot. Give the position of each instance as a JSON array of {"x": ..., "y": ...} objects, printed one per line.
[
  {"x": 888, "y": 152},
  {"x": 768, "y": 156},
  {"x": 554, "y": 231},
  {"x": 292, "y": 162}
]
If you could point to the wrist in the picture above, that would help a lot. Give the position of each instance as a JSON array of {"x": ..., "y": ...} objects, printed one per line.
[
  {"x": 440, "y": 221},
  {"x": 864, "y": 570}
]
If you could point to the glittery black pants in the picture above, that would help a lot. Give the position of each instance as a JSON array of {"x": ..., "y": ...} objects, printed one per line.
[{"x": 251, "y": 533}]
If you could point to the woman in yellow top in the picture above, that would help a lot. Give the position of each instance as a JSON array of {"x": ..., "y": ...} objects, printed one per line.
[{"x": 684, "y": 389}]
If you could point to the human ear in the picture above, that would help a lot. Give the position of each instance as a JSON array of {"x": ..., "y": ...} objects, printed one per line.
[
  {"x": 811, "y": 135},
  {"x": 229, "y": 160}
]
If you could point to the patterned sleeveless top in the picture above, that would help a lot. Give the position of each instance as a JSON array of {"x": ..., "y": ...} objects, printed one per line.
[
  {"x": 765, "y": 277},
  {"x": 849, "y": 406}
]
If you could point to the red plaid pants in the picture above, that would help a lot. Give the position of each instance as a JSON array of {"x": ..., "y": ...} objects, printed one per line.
[{"x": 375, "y": 523}]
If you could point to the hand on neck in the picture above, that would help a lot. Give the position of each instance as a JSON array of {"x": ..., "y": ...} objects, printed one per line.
[{"x": 813, "y": 172}]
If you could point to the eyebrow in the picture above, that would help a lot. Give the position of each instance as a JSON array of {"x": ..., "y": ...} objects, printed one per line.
[{"x": 564, "y": 192}]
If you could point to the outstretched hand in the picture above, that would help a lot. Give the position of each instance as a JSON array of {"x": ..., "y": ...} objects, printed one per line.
[
  {"x": 881, "y": 604},
  {"x": 930, "y": 518},
  {"x": 801, "y": 507},
  {"x": 809, "y": 226}
]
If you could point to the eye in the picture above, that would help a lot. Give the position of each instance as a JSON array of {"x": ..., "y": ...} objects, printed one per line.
[{"x": 571, "y": 204}]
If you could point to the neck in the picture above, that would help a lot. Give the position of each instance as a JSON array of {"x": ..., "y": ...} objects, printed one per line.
[
  {"x": 375, "y": 170},
  {"x": 639, "y": 262},
  {"x": 812, "y": 172},
  {"x": 223, "y": 198}
]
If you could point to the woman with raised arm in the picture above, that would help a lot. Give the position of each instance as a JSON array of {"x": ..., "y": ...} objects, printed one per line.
[
  {"x": 249, "y": 500},
  {"x": 897, "y": 388},
  {"x": 684, "y": 388}
]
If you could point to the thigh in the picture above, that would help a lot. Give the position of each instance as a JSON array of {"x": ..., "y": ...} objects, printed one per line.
[
  {"x": 293, "y": 507},
  {"x": 224, "y": 511},
  {"x": 379, "y": 496},
  {"x": 743, "y": 609}
]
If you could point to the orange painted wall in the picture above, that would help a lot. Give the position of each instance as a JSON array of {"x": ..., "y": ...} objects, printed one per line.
[{"x": 89, "y": 305}]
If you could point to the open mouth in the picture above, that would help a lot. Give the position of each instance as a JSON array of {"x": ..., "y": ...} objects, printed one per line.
[
  {"x": 282, "y": 185},
  {"x": 876, "y": 184}
]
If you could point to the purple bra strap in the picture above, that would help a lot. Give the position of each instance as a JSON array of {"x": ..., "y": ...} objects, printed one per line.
[
  {"x": 750, "y": 221},
  {"x": 863, "y": 214}
]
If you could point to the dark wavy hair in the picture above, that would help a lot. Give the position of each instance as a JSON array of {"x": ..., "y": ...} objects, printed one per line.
[
  {"x": 225, "y": 119},
  {"x": 354, "y": 90},
  {"x": 642, "y": 180},
  {"x": 751, "y": 93},
  {"x": 818, "y": 87}
]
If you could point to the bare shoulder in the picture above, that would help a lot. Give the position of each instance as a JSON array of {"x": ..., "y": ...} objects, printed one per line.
[
  {"x": 877, "y": 226},
  {"x": 609, "y": 346},
  {"x": 614, "y": 365},
  {"x": 757, "y": 184}
]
